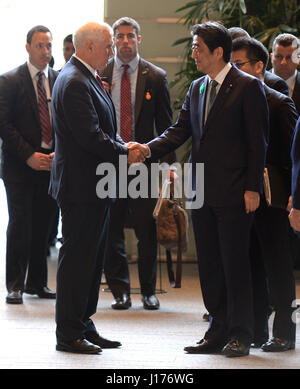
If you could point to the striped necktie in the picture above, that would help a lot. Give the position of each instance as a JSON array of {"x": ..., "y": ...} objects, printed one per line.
[{"x": 47, "y": 131}]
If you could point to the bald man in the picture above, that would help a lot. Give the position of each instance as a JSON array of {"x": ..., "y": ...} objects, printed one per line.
[{"x": 85, "y": 136}]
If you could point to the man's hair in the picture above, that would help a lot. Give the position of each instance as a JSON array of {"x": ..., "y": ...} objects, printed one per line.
[
  {"x": 126, "y": 21},
  {"x": 286, "y": 40},
  {"x": 68, "y": 38},
  {"x": 214, "y": 35},
  {"x": 238, "y": 32},
  {"x": 92, "y": 30},
  {"x": 255, "y": 50},
  {"x": 36, "y": 29}
]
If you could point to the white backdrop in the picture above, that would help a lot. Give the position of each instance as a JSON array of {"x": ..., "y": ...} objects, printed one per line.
[{"x": 62, "y": 17}]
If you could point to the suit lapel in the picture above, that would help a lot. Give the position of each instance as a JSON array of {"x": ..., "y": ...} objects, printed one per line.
[
  {"x": 296, "y": 92},
  {"x": 143, "y": 71}
]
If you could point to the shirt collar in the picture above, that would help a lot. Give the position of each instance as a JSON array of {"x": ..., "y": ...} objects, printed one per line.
[
  {"x": 92, "y": 70},
  {"x": 132, "y": 64},
  {"x": 220, "y": 77},
  {"x": 34, "y": 71}
]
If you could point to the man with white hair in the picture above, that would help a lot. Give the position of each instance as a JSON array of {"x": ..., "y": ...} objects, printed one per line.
[{"x": 85, "y": 136}]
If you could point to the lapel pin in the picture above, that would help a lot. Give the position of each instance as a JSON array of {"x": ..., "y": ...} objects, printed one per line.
[
  {"x": 202, "y": 88},
  {"x": 148, "y": 96}
]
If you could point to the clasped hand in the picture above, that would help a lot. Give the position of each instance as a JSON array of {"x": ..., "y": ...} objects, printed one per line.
[
  {"x": 137, "y": 152},
  {"x": 40, "y": 161}
]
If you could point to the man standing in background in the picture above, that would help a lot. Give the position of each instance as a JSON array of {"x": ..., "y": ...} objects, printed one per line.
[
  {"x": 27, "y": 153},
  {"x": 140, "y": 93}
]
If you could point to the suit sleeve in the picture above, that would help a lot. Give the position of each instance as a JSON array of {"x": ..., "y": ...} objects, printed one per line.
[
  {"x": 85, "y": 124},
  {"x": 295, "y": 154},
  {"x": 175, "y": 135},
  {"x": 14, "y": 141},
  {"x": 163, "y": 113},
  {"x": 256, "y": 121}
]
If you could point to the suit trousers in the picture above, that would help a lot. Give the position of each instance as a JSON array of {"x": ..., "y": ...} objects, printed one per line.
[
  {"x": 222, "y": 242},
  {"x": 271, "y": 226},
  {"x": 80, "y": 266},
  {"x": 31, "y": 213},
  {"x": 139, "y": 212}
]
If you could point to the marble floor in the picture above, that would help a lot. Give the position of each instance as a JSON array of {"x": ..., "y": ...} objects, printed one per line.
[{"x": 150, "y": 339}]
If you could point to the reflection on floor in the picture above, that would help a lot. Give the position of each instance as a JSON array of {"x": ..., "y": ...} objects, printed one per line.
[{"x": 151, "y": 339}]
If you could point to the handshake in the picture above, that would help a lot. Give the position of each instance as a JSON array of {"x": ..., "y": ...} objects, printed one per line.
[{"x": 137, "y": 152}]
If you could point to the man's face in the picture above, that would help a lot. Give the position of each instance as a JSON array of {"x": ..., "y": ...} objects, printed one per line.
[
  {"x": 242, "y": 62},
  {"x": 102, "y": 51},
  {"x": 204, "y": 59},
  {"x": 126, "y": 42},
  {"x": 284, "y": 61},
  {"x": 68, "y": 50},
  {"x": 40, "y": 49}
]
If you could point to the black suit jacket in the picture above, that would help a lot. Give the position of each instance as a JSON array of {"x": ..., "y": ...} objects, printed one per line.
[
  {"x": 231, "y": 143},
  {"x": 85, "y": 134},
  {"x": 154, "y": 113},
  {"x": 283, "y": 117},
  {"x": 276, "y": 82},
  {"x": 19, "y": 122},
  {"x": 296, "y": 93}
]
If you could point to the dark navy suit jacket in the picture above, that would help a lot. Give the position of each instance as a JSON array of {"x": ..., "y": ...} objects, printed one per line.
[
  {"x": 85, "y": 134},
  {"x": 232, "y": 143}
]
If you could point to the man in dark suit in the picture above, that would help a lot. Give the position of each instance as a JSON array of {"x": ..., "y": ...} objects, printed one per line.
[
  {"x": 150, "y": 110},
  {"x": 85, "y": 133},
  {"x": 285, "y": 60},
  {"x": 271, "y": 223},
  {"x": 271, "y": 79},
  {"x": 294, "y": 215},
  {"x": 27, "y": 153},
  {"x": 226, "y": 114}
]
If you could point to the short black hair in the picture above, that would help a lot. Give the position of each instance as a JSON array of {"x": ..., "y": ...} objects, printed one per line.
[
  {"x": 286, "y": 40},
  {"x": 38, "y": 28},
  {"x": 238, "y": 32},
  {"x": 255, "y": 50},
  {"x": 126, "y": 21},
  {"x": 68, "y": 38},
  {"x": 214, "y": 35}
]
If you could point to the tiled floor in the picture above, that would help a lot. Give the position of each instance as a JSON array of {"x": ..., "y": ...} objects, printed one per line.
[{"x": 151, "y": 340}]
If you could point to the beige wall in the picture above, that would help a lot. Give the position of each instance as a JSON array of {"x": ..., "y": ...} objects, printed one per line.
[{"x": 160, "y": 28}]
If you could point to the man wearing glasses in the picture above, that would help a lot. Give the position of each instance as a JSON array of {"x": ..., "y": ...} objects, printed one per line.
[{"x": 269, "y": 248}]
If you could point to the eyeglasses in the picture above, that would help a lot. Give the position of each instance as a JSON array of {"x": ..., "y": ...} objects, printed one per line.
[{"x": 240, "y": 64}]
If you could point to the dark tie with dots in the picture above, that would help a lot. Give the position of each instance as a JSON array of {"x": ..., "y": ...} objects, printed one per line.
[
  {"x": 47, "y": 131},
  {"x": 126, "y": 109}
]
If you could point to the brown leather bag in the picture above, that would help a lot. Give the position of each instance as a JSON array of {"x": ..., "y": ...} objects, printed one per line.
[{"x": 172, "y": 233}]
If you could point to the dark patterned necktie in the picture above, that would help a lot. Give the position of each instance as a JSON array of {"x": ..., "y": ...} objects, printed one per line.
[
  {"x": 47, "y": 131},
  {"x": 100, "y": 81},
  {"x": 126, "y": 109},
  {"x": 212, "y": 94}
]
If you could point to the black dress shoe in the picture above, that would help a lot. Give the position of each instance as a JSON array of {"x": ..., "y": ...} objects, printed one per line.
[
  {"x": 102, "y": 342},
  {"x": 44, "y": 293},
  {"x": 278, "y": 344},
  {"x": 14, "y": 297},
  {"x": 235, "y": 348},
  {"x": 122, "y": 302},
  {"x": 205, "y": 346},
  {"x": 150, "y": 302},
  {"x": 79, "y": 346}
]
